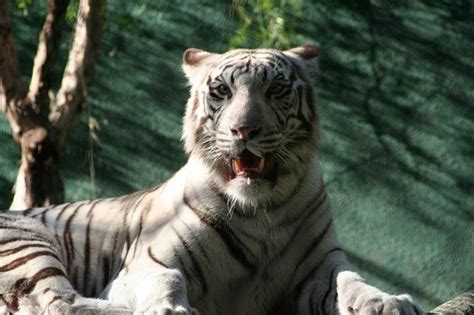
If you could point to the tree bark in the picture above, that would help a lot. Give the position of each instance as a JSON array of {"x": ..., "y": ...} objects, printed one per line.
[
  {"x": 41, "y": 129},
  {"x": 463, "y": 304},
  {"x": 46, "y": 55},
  {"x": 12, "y": 89},
  {"x": 79, "y": 68}
]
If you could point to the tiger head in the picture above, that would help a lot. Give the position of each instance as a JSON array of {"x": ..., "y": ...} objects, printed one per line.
[{"x": 252, "y": 118}]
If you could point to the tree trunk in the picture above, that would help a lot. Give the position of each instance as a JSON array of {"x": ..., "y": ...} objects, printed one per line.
[
  {"x": 41, "y": 129},
  {"x": 38, "y": 181}
]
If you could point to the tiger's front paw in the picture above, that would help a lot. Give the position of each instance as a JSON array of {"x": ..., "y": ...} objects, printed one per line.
[
  {"x": 381, "y": 303},
  {"x": 357, "y": 297},
  {"x": 167, "y": 308}
]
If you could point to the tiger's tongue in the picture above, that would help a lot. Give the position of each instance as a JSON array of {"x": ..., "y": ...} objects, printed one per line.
[{"x": 247, "y": 163}]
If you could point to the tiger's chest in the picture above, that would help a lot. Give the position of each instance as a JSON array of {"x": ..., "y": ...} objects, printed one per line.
[
  {"x": 227, "y": 268},
  {"x": 256, "y": 293}
]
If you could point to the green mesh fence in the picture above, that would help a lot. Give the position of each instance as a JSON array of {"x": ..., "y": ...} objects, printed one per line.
[{"x": 396, "y": 101}]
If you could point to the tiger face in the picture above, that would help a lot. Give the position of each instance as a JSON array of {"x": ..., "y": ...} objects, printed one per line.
[{"x": 251, "y": 118}]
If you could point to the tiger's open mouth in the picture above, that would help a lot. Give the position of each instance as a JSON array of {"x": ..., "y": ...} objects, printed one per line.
[{"x": 248, "y": 165}]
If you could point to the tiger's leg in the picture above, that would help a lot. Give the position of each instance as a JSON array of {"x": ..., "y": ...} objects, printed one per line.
[
  {"x": 32, "y": 274},
  {"x": 151, "y": 288},
  {"x": 333, "y": 289}
]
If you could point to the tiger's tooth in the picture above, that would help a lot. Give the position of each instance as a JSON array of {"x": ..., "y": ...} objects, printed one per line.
[
  {"x": 248, "y": 180},
  {"x": 237, "y": 165},
  {"x": 261, "y": 165}
]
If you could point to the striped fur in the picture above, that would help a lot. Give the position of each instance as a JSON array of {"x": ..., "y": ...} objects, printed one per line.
[{"x": 244, "y": 227}]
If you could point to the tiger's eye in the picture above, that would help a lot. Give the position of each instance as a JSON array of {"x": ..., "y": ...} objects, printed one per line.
[
  {"x": 275, "y": 88},
  {"x": 278, "y": 86},
  {"x": 223, "y": 89}
]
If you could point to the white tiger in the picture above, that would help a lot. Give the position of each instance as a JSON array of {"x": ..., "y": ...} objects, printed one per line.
[{"x": 243, "y": 228}]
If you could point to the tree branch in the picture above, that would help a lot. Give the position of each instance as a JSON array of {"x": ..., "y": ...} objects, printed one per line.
[
  {"x": 12, "y": 88},
  {"x": 46, "y": 56},
  {"x": 79, "y": 68}
]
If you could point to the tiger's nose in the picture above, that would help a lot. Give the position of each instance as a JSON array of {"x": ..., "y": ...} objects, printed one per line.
[{"x": 245, "y": 132}]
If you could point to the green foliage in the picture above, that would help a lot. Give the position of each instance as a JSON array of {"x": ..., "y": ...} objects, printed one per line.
[
  {"x": 27, "y": 5},
  {"x": 267, "y": 23},
  {"x": 23, "y": 5},
  {"x": 71, "y": 12}
]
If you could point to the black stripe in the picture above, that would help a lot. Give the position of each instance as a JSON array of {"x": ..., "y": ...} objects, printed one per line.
[
  {"x": 29, "y": 239},
  {"x": 27, "y": 285},
  {"x": 299, "y": 91},
  {"x": 280, "y": 116},
  {"x": 24, "y": 259},
  {"x": 316, "y": 241},
  {"x": 75, "y": 276},
  {"x": 271, "y": 63},
  {"x": 9, "y": 217},
  {"x": 62, "y": 211},
  {"x": 197, "y": 243},
  {"x": 311, "y": 302},
  {"x": 417, "y": 311},
  {"x": 17, "y": 228},
  {"x": 247, "y": 65},
  {"x": 105, "y": 271},
  {"x": 232, "y": 76},
  {"x": 54, "y": 299},
  {"x": 87, "y": 247},
  {"x": 315, "y": 268},
  {"x": 321, "y": 196},
  {"x": 219, "y": 224},
  {"x": 114, "y": 245},
  {"x": 144, "y": 213},
  {"x": 134, "y": 204},
  {"x": 232, "y": 242},
  {"x": 270, "y": 140},
  {"x": 182, "y": 264},
  {"x": 305, "y": 124},
  {"x": 298, "y": 229},
  {"x": 154, "y": 258},
  {"x": 291, "y": 196},
  {"x": 216, "y": 97},
  {"x": 310, "y": 100},
  {"x": 68, "y": 242},
  {"x": 283, "y": 92},
  {"x": 26, "y": 211},
  {"x": 19, "y": 248},
  {"x": 16, "y": 239},
  {"x": 264, "y": 74},
  {"x": 322, "y": 303},
  {"x": 293, "y": 76},
  {"x": 224, "y": 66},
  {"x": 197, "y": 266},
  {"x": 282, "y": 60},
  {"x": 219, "y": 79},
  {"x": 43, "y": 215}
]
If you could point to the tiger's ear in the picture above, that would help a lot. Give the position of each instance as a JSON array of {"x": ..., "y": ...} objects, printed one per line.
[
  {"x": 195, "y": 62},
  {"x": 305, "y": 56}
]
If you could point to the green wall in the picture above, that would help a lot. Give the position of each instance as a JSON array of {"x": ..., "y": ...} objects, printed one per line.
[{"x": 396, "y": 100}]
